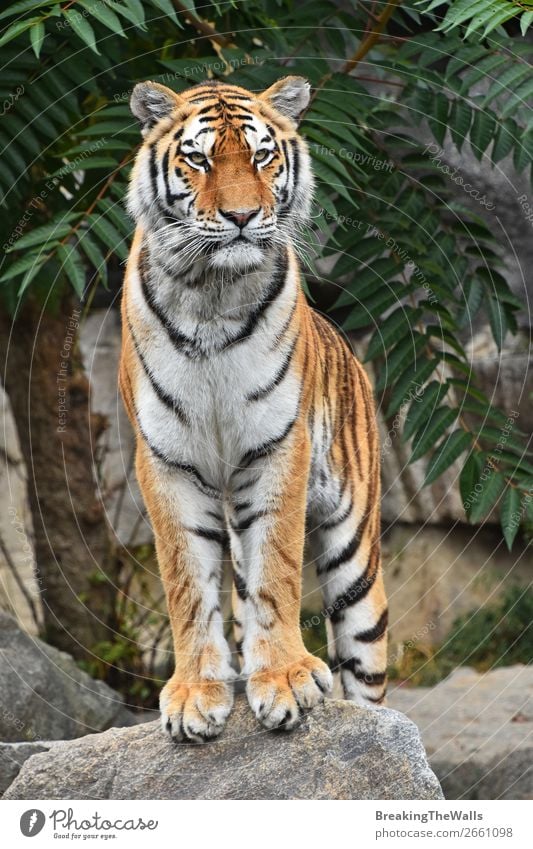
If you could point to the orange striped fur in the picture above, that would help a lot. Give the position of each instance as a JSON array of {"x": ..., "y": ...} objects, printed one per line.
[{"x": 255, "y": 424}]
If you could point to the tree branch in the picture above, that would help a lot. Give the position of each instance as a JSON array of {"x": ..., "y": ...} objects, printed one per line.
[
  {"x": 203, "y": 27},
  {"x": 368, "y": 42}
]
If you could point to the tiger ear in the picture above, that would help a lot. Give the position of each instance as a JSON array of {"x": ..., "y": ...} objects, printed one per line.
[
  {"x": 290, "y": 96},
  {"x": 150, "y": 102}
]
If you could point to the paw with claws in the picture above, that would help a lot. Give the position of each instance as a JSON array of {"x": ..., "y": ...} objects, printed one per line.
[
  {"x": 197, "y": 711},
  {"x": 278, "y": 696}
]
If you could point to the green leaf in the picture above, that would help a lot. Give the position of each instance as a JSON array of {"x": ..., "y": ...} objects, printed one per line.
[
  {"x": 73, "y": 267},
  {"x": 491, "y": 484},
  {"x": 31, "y": 273},
  {"x": 506, "y": 137},
  {"x": 82, "y": 28},
  {"x": 446, "y": 453},
  {"x": 169, "y": 10},
  {"x": 95, "y": 256},
  {"x": 391, "y": 330},
  {"x": 16, "y": 29},
  {"x": 519, "y": 97},
  {"x": 511, "y": 515},
  {"x": 423, "y": 406},
  {"x": 497, "y": 320},
  {"x": 468, "y": 479},
  {"x": 431, "y": 430},
  {"x": 460, "y": 120},
  {"x": 46, "y": 234},
  {"x": 473, "y": 294},
  {"x": 438, "y": 119},
  {"x": 104, "y": 14},
  {"x": 404, "y": 352},
  {"x": 37, "y": 34},
  {"x": 409, "y": 386},
  {"x": 525, "y": 21},
  {"x": 109, "y": 235},
  {"x": 482, "y": 132},
  {"x": 21, "y": 265}
]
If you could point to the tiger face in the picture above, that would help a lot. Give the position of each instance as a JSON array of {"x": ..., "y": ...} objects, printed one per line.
[{"x": 222, "y": 176}]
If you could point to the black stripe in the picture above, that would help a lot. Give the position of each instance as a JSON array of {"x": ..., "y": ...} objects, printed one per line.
[
  {"x": 210, "y": 534},
  {"x": 333, "y": 523},
  {"x": 161, "y": 393},
  {"x": 246, "y": 485},
  {"x": 343, "y": 556},
  {"x": 372, "y": 679},
  {"x": 187, "y": 468},
  {"x": 240, "y": 586},
  {"x": 180, "y": 341},
  {"x": 259, "y": 394},
  {"x": 266, "y": 448},
  {"x": 276, "y": 286},
  {"x": 286, "y": 325},
  {"x": 246, "y": 523},
  {"x": 374, "y": 634},
  {"x": 169, "y": 195},
  {"x": 349, "y": 663},
  {"x": 295, "y": 164},
  {"x": 355, "y": 592}
]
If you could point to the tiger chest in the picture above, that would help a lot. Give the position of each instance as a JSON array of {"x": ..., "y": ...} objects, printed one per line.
[{"x": 225, "y": 406}]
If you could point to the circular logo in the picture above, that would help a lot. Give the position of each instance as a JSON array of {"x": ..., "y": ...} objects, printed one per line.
[{"x": 32, "y": 822}]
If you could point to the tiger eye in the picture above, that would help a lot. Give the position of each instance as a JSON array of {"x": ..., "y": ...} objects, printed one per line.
[
  {"x": 262, "y": 154},
  {"x": 197, "y": 157}
]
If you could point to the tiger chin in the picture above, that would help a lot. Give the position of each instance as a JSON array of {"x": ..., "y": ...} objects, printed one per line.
[{"x": 255, "y": 425}]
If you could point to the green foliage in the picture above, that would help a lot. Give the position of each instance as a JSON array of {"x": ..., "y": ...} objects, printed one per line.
[
  {"x": 495, "y": 635},
  {"x": 408, "y": 265},
  {"x": 481, "y": 16}
]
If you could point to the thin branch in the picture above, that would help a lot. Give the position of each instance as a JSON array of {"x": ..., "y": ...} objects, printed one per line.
[
  {"x": 203, "y": 27},
  {"x": 368, "y": 42}
]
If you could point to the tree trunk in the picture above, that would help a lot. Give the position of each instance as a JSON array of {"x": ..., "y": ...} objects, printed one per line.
[{"x": 49, "y": 395}]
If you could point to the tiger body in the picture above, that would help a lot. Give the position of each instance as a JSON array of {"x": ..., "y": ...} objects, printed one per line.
[{"x": 254, "y": 422}]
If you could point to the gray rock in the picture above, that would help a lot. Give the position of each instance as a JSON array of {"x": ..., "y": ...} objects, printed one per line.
[
  {"x": 340, "y": 751},
  {"x": 44, "y": 695},
  {"x": 477, "y": 729},
  {"x": 12, "y": 756}
]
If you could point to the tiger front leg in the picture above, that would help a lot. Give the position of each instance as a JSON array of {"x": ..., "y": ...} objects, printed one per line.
[
  {"x": 267, "y": 531},
  {"x": 190, "y": 538}
]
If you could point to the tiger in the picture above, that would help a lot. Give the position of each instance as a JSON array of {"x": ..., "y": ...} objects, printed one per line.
[{"x": 254, "y": 423}]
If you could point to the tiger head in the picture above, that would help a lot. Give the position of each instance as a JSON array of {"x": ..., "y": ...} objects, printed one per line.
[{"x": 222, "y": 176}]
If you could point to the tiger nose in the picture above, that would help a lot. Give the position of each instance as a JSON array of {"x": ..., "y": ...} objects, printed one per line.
[{"x": 240, "y": 217}]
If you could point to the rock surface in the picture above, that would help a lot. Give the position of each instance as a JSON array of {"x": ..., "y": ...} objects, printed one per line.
[
  {"x": 340, "y": 751},
  {"x": 477, "y": 730},
  {"x": 12, "y": 756},
  {"x": 45, "y": 696}
]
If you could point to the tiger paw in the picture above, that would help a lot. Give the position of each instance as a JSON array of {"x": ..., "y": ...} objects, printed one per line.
[
  {"x": 195, "y": 712},
  {"x": 277, "y": 696}
]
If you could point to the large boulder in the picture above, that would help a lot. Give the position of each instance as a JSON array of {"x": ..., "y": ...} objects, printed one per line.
[
  {"x": 477, "y": 730},
  {"x": 12, "y": 756},
  {"x": 44, "y": 695},
  {"x": 340, "y": 751}
]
